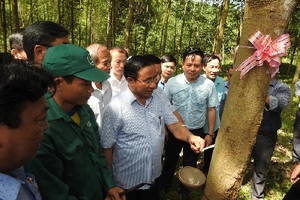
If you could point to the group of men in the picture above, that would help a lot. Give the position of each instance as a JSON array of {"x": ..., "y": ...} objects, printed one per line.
[
  {"x": 87, "y": 131},
  {"x": 70, "y": 163}
]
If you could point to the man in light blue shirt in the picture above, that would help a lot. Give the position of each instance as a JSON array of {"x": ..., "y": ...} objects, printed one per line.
[
  {"x": 133, "y": 130},
  {"x": 212, "y": 68},
  {"x": 195, "y": 99}
]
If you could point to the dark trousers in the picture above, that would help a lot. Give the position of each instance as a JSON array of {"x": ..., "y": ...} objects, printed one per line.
[
  {"x": 149, "y": 194},
  {"x": 262, "y": 152},
  {"x": 172, "y": 151},
  {"x": 294, "y": 192},
  {"x": 296, "y": 137},
  {"x": 208, "y": 154}
]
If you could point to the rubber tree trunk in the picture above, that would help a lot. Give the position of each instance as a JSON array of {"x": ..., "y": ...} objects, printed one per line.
[{"x": 245, "y": 102}]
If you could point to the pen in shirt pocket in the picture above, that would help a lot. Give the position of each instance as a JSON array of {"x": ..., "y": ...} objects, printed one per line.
[{"x": 159, "y": 117}]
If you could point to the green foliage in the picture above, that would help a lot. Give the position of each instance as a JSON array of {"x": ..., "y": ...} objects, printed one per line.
[{"x": 93, "y": 22}]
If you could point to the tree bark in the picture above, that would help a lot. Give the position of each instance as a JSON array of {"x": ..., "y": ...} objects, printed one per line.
[
  {"x": 3, "y": 24},
  {"x": 129, "y": 24},
  {"x": 15, "y": 14},
  {"x": 147, "y": 25},
  {"x": 164, "y": 30},
  {"x": 245, "y": 102},
  {"x": 72, "y": 20},
  {"x": 109, "y": 22},
  {"x": 295, "y": 79},
  {"x": 220, "y": 30},
  {"x": 181, "y": 32}
]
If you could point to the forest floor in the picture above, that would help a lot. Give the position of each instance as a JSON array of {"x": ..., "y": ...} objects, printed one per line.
[{"x": 278, "y": 182}]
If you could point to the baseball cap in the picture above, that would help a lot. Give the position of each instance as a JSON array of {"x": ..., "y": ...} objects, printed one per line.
[{"x": 70, "y": 59}]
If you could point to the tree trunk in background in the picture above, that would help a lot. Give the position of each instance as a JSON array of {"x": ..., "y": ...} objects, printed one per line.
[
  {"x": 179, "y": 46},
  {"x": 88, "y": 23},
  {"x": 295, "y": 79},
  {"x": 293, "y": 52},
  {"x": 59, "y": 11},
  {"x": 31, "y": 11},
  {"x": 128, "y": 24},
  {"x": 3, "y": 24},
  {"x": 192, "y": 24},
  {"x": 109, "y": 23},
  {"x": 147, "y": 26},
  {"x": 15, "y": 14},
  {"x": 220, "y": 30},
  {"x": 164, "y": 31},
  {"x": 239, "y": 127},
  {"x": 72, "y": 21}
]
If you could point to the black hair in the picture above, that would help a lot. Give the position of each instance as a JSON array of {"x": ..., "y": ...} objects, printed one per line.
[
  {"x": 6, "y": 58},
  {"x": 20, "y": 83},
  {"x": 134, "y": 65},
  {"x": 69, "y": 79},
  {"x": 120, "y": 50},
  {"x": 153, "y": 58},
  {"x": 208, "y": 58},
  {"x": 192, "y": 51},
  {"x": 16, "y": 39},
  {"x": 168, "y": 58},
  {"x": 231, "y": 67},
  {"x": 43, "y": 33}
]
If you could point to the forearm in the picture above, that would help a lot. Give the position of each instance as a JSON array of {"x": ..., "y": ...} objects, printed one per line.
[
  {"x": 108, "y": 155},
  {"x": 180, "y": 131},
  {"x": 211, "y": 119}
]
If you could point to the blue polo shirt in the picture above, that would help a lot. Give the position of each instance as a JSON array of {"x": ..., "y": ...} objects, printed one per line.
[
  {"x": 220, "y": 87},
  {"x": 192, "y": 100}
]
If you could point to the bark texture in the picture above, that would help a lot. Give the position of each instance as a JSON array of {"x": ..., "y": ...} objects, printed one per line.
[{"x": 245, "y": 102}]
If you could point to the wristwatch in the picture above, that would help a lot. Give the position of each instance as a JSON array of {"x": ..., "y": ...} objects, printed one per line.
[{"x": 212, "y": 135}]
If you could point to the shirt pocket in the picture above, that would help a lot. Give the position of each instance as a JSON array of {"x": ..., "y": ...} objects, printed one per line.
[{"x": 157, "y": 125}]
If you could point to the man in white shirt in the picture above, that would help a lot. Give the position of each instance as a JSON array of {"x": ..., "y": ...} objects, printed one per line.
[
  {"x": 117, "y": 79},
  {"x": 102, "y": 90}
]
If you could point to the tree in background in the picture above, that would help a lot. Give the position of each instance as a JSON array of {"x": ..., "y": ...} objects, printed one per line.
[
  {"x": 218, "y": 40},
  {"x": 157, "y": 27}
]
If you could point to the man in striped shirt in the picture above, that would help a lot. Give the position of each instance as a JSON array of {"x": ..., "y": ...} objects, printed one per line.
[{"x": 133, "y": 130}]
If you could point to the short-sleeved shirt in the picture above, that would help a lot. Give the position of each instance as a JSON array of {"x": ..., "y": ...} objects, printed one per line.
[
  {"x": 136, "y": 134},
  {"x": 17, "y": 186},
  {"x": 99, "y": 99},
  {"x": 116, "y": 85},
  {"x": 220, "y": 87},
  {"x": 192, "y": 100}
]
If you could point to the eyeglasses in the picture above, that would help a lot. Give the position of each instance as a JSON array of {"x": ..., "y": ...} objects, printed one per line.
[{"x": 149, "y": 81}]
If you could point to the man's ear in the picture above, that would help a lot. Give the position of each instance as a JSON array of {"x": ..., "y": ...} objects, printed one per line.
[
  {"x": 130, "y": 80},
  {"x": 39, "y": 53},
  {"x": 14, "y": 52},
  {"x": 59, "y": 82}
]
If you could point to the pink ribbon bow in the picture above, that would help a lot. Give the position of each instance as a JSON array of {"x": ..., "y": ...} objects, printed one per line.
[{"x": 267, "y": 50}]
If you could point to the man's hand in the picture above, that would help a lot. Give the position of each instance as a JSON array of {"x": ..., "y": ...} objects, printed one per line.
[
  {"x": 295, "y": 174},
  {"x": 113, "y": 194},
  {"x": 197, "y": 143},
  {"x": 208, "y": 140}
]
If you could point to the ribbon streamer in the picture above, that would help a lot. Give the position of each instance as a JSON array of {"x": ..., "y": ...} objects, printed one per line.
[{"x": 267, "y": 50}]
